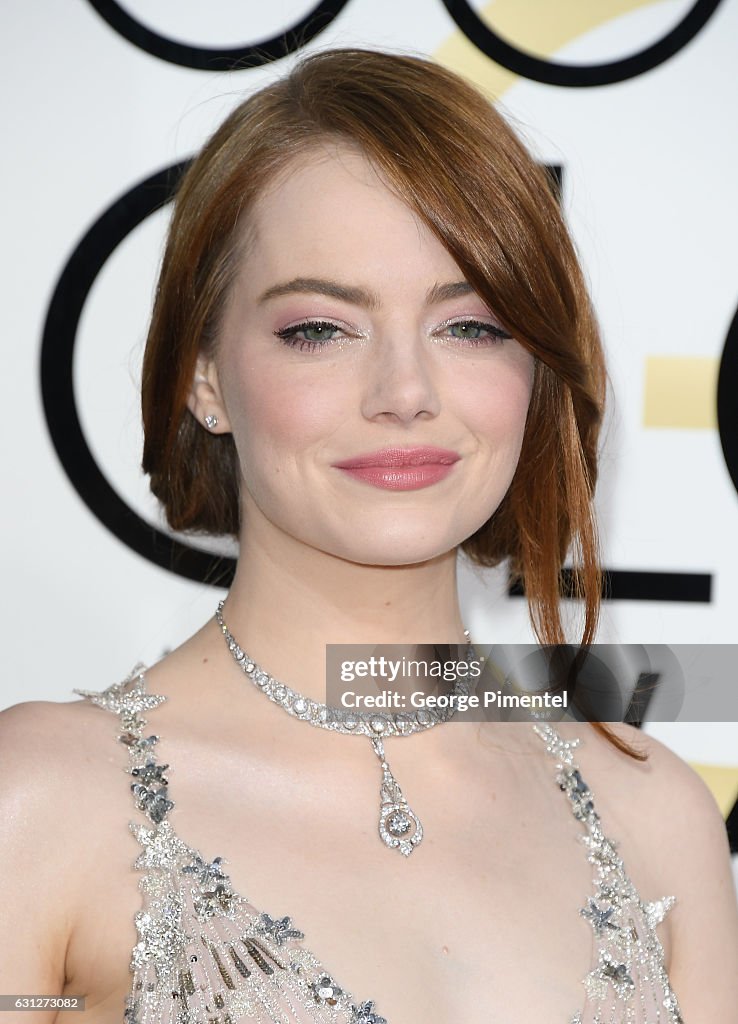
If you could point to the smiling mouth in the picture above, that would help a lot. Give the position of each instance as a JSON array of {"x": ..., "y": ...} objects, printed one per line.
[
  {"x": 401, "y": 457},
  {"x": 401, "y": 469}
]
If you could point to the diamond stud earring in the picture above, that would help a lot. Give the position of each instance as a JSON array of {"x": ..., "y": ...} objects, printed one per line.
[{"x": 211, "y": 422}]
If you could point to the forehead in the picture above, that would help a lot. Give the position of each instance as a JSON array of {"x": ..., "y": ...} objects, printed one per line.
[{"x": 331, "y": 209}]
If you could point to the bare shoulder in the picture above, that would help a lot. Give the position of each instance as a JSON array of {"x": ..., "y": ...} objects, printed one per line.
[
  {"x": 669, "y": 825},
  {"x": 662, "y": 797},
  {"x": 56, "y": 759},
  {"x": 662, "y": 787},
  {"x": 47, "y": 744}
]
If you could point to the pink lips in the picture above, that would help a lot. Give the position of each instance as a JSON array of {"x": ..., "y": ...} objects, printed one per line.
[{"x": 401, "y": 469}]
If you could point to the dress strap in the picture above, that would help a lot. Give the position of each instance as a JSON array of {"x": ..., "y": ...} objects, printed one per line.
[
  {"x": 128, "y": 700},
  {"x": 602, "y": 849},
  {"x": 205, "y": 954},
  {"x": 569, "y": 777},
  {"x": 630, "y": 957}
]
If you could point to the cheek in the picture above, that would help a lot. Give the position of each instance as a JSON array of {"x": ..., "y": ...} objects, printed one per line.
[
  {"x": 495, "y": 404},
  {"x": 277, "y": 419}
]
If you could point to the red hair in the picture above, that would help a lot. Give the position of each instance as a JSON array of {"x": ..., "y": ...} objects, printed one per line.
[{"x": 454, "y": 160}]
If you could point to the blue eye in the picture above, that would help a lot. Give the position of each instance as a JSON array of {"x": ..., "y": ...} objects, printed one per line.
[
  {"x": 310, "y": 335},
  {"x": 466, "y": 330},
  {"x": 476, "y": 331},
  {"x": 319, "y": 332}
]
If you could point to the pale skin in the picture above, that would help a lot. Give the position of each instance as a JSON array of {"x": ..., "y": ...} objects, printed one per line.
[{"x": 482, "y": 921}]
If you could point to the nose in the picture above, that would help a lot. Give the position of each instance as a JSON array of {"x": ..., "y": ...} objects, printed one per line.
[{"x": 399, "y": 383}]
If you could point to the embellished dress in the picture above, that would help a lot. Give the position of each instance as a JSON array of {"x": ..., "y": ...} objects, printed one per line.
[{"x": 206, "y": 955}]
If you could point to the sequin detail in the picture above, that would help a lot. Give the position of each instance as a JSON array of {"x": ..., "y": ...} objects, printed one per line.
[
  {"x": 629, "y": 983},
  {"x": 206, "y": 955}
]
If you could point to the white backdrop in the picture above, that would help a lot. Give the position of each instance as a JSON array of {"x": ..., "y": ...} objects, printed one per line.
[{"x": 649, "y": 190}]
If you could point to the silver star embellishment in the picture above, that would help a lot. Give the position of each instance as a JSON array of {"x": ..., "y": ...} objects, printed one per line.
[
  {"x": 153, "y": 801},
  {"x": 205, "y": 872},
  {"x": 578, "y": 792},
  {"x": 125, "y": 698},
  {"x": 599, "y": 918},
  {"x": 611, "y": 970},
  {"x": 573, "y": 781},
  {"x": 149, "y": 772},
  {"x": 278, "y": 929},
  {"x": 560, "y": 748},
  {"x": 364, "y": 1014},
  {"x": 139, "y": 745},
  {"x": 213, "y": 901}
]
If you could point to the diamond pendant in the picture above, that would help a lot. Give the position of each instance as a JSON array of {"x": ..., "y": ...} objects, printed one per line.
[{"x": 399, "y": 825}]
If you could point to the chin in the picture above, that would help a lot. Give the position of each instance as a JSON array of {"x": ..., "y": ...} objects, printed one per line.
[{"x": 394, "y": 551}]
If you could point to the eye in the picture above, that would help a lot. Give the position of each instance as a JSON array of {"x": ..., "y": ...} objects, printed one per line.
[
  {"x": 310, "y": 335},
  {"x": 476, "y": 332},
  {"x": 319, "y": 332}
]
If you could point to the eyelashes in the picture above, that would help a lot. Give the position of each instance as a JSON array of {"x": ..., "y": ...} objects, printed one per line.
[
  {"x": 468, "y": 327},
  {"x": 311, "y": 335},
  {"x": 322, "y": 331}
]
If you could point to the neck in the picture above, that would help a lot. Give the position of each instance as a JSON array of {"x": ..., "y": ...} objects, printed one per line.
[{"x": 289, "y": 600}]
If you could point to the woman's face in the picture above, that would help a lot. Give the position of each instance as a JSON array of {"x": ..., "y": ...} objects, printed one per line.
[{"x": 350, "y": 331}]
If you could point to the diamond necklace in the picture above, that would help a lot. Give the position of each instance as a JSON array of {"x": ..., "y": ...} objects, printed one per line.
[{"x": 399, "y": 825}]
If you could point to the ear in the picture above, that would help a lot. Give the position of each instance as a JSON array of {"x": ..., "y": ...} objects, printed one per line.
[{"x": 205, "y": 401}]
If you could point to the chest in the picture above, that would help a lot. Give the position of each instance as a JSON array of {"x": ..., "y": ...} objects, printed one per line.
[{"x": 484, "y": 914}]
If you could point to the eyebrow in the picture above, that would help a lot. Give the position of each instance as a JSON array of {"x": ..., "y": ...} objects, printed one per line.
[
  {"x": 359, "y": 296},
  {"x": 452, "y": 290}
]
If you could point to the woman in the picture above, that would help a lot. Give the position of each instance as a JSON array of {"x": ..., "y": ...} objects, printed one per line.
[{"x": 371, "y": 347}]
